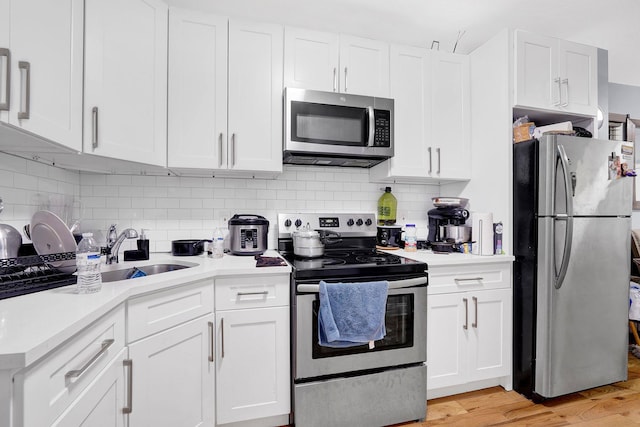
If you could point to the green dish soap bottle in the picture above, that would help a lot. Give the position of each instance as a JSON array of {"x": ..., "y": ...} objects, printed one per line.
[{"x": 387, "y": 208}]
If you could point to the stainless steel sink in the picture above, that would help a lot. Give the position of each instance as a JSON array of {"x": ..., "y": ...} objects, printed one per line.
[{"x": 145, "y": 270}]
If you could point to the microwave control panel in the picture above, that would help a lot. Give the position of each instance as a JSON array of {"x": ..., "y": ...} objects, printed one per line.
[{"x": 382, "y": 135}]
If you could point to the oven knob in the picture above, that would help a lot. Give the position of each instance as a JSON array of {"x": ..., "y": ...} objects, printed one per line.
[
  {"x": 298, "y": 223},
  {"x": 368, "y": 222},
  {"x": 359, "y": 222},
  {"x": 287, "y": 222},
  {"x": 350, "y": 222}
]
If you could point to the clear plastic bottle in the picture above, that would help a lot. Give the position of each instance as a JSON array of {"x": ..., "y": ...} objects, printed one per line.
[
  {"x": 387, "y": 208},
  {"x": 410, "y": 238},
  {"x": 217, "y": 244},
  {"x": 88, "y": 265}
]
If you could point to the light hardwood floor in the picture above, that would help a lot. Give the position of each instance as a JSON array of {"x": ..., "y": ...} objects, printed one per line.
[{"x": 613, "y": 405}]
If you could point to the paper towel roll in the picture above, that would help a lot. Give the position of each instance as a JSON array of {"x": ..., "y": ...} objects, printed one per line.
[{"x": 482, "y": 233}]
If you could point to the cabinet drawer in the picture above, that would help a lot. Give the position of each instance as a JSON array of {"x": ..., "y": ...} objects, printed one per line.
[
  {"x": 461, "y": 278},
  {"x": 55, "y": 382},
  {"x": 252, "y": 292},
  {"x": 162, "y": 310}
]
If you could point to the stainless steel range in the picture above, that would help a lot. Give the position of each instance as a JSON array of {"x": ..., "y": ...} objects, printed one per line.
[{"x": 355, "y": 386}]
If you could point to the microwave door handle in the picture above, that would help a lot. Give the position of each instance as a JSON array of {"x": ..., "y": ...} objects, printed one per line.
[{"x": 372, "y": 126}]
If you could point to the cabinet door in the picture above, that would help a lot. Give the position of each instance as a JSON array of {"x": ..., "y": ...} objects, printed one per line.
[
  {"x": 255, "y": 97},
  {"x": 173, "y": 377},
  {"x": 537, "y": 76},
  {"x": 364, "y": 66},
  {"x": 101, "y": 404},
  {"x": 46, "y": 69},
  {"x": 450, "y": 116},
  {"x": 197, "y": 133},
  {"x": 5, "y": 55},
  {"x": 310, "y": 59},
  {"x": 125, "y": 98},
  {"x": 578, "y": 68},
  {"x": 489, "y": 334},
  {"x": 252, "y": 350},
  {"x": 447, "y": 315}
]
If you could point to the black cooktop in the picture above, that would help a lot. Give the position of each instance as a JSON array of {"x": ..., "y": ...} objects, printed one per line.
[{"x": 353, "y": 263}]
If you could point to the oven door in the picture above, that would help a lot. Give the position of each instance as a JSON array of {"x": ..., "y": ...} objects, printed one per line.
[{"x": 404, "y": 343}]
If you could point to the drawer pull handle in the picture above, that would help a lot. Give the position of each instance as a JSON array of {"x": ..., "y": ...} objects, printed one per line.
[
  {"x": 129, "y": 364},
  {"x": 212, "y": 338},
  {"x": 470, "y": 279},
  {"x": 78, "y": 372},
  {"x": 222, "y": 337},
  {"x": 252, "y": 293}
]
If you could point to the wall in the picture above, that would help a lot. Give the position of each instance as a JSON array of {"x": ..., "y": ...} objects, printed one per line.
[{"x": 191, "y": 208}]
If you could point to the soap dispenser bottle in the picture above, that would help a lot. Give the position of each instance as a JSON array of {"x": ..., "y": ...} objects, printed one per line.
[{"x": 143, "y": 243}]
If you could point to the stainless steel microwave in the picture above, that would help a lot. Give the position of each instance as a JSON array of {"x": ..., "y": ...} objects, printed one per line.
[{"x": 336, "y": 129}]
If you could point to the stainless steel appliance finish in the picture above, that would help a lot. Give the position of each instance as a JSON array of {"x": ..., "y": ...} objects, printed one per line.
[
  {"x": 248, "y": 234},
  {"x": 356, "y": 386},
  {"x": 571, "y": 289},
  {"x": 336, "y": 129}
]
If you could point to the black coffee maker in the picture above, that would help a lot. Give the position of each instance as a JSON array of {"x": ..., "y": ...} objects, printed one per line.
[{"x": 445, "y": 215}]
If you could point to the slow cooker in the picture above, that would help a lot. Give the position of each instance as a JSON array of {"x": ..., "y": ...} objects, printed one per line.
[{"x": 248, "y": 234}]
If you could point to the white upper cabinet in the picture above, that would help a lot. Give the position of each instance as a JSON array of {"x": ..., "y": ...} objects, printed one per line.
[
  {"x": 197, "y": 128},
  {"x": 556, "y": 75},
  {"x": 364, "y": 66},
  {"x": 255, "y": 97},
  {"x": 432, "y": 118},
  {"x": 311, "y": 59},
  {"x": 44, "y": 41},
  {"x": 450, "y": 113},
  {"x": 325, "y": 61},
  {"x": 125, "y": 98}
]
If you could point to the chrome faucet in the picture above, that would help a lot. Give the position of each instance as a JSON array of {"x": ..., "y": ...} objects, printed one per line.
[{"x": 114, "y": 241}]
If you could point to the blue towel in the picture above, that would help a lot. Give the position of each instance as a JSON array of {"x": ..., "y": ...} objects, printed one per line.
[{"x": 351, "y": 314}]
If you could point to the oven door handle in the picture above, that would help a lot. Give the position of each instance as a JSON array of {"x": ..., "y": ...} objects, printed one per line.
[{"x": 393, "y": 284}]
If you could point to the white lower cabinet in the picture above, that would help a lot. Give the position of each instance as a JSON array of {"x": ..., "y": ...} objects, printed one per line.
[
  {"x": 170, "y": 336},
  {"x": 469, "y": 329},
  {"x": 173, "y": 377},
  {"x": 252, "y": 350},
  {"x": 102, "y": 403}
]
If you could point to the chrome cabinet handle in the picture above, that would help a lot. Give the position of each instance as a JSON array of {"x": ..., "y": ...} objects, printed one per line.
[
  {"x": 128, "y": 363},
  {"x": 78, "y": 372},
  {"x": 469, "y": 279},
  {"x": 222, "y": 337},
  {"x": 94, "y": 127},
  {"x": 345, "y": 80},
  {"x": 565, "y": 82},
  {"x": 25, "y": 70},
  {"x": 438, "y": 153},
  {"x": 212, "y": 338},
  {"x": 335, "y": 79},
  {"x": 430, "y": 162},
  {"x": 466, "y": 314},
  {"x": 233, "y": 149},
  {"x": 559, "y": 99},
  {"x": 220, "y": 150},
  {"x": 475, "y": 304},
  {"x": 6, "y": 53},
  {"x": 252, "y": 293}
]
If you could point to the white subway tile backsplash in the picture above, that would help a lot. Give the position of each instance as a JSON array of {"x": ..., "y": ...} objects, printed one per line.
[{"x": 173, "y": 207}]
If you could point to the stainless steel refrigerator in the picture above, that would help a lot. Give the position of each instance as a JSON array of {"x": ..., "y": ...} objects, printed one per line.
[{"x": 572, "y": 221}]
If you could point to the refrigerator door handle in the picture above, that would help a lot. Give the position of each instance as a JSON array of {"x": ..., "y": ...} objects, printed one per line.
[{"x": 568, "y": 217}]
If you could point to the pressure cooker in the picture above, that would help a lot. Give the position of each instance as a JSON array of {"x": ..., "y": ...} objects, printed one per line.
[{"x": 248, "y": 234}]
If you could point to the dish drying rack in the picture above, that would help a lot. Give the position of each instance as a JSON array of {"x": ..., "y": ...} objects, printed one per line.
[{"x": 33, "y": 273}]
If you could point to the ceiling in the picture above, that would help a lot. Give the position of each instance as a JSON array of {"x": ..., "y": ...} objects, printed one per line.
[{"x": 612, "y": 24}]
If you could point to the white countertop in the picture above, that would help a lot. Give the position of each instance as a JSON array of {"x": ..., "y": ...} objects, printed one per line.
[
  {"x": 453, "y": 258},
  {"x": 34, "y": 324}
]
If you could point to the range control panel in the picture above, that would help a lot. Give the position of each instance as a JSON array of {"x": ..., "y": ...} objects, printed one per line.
[{"x": 347, "y": 224}]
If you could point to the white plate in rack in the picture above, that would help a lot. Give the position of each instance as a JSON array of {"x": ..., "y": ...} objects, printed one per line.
[{"x": 50, "y": 235}]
